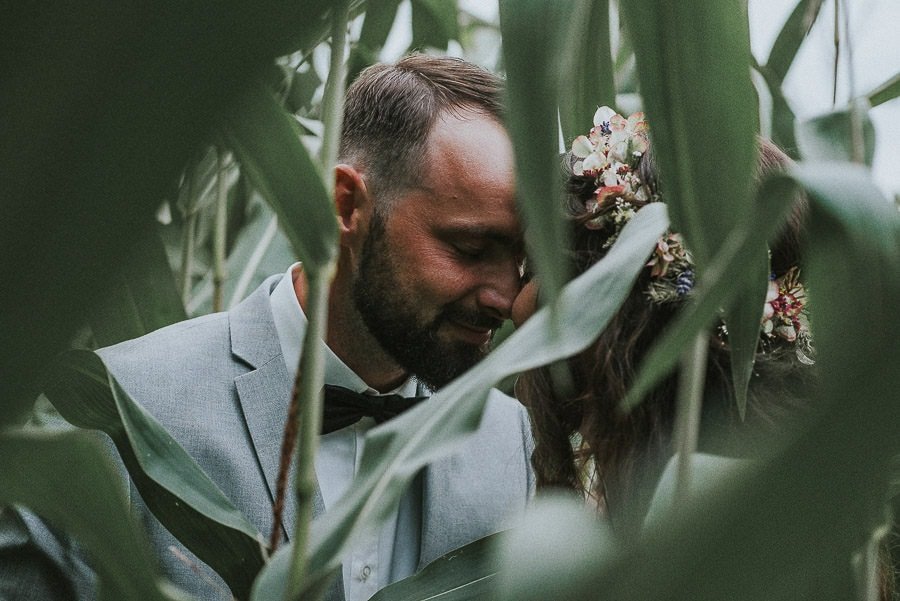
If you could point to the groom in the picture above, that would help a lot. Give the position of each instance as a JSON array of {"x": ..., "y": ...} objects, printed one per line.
[{"x": 430, "y": 262}]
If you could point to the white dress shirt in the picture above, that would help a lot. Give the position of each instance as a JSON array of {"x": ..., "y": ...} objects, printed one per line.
[{"x": 384, "y": 556}]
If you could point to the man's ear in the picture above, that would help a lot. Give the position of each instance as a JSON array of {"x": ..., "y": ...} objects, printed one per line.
[{"x": 352, "y": 202}]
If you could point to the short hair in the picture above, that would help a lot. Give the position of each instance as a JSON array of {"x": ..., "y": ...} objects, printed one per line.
[{"x": 390, "y": 111}]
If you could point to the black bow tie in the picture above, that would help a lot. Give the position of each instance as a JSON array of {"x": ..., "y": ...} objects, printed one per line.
[{"x": 344, "y": 407}]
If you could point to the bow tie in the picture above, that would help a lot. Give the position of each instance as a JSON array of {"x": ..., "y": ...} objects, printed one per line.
[{"x": 344, "y": 407}]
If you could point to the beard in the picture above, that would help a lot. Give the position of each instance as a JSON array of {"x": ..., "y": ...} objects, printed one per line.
[{"x": 393, "y": 313}]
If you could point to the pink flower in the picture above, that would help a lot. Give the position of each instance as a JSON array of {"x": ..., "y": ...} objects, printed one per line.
[
  {"x": 628, "y": 136},
  {"x": 661, "y": 259}
]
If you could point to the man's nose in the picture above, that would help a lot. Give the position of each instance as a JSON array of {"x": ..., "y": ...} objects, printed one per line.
[{"x": 499, "y": 289}]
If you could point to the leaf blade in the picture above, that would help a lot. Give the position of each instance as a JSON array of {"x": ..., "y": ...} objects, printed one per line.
[
  {"x": 267, "y": 145},
  {"x": 175, "y": 489}
]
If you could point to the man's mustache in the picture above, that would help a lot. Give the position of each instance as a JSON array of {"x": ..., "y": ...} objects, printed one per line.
[{"x": 468, "y": 317}]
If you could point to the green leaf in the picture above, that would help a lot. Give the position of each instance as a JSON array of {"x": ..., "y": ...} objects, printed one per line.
[
  {"x": 587, "y": 69},
  {"x": 791, "y": 36},
  {"x": 692, "y": 64},
  {"x": 783, "y": 124},
  {"x": 100, "y": 117},
  {"x": 783, "y": 118},
  {"x": 854, "y": 245},
  {"x": 172, "y": 485},
  {"x": 465, "y": 573},
  {"x": 92, "y": 506},
  {"x": 886, "y": 91},
  {"x": 434, "y": 23},
  {"x": 379, "y": 19},
  {"x": 395, "y": 452},
  {"x": 722, "y": 281},
  {"x": 743, "y": 317},
  {"x": 259, "y": 250},
  {"x": 786, "y": 526},
  {"x": 845, "y": 135},
  {"x": 303, "y": 86},
  {"x": 557, "y": 529},
  {"x": 266, "y": 143},
  {"x": 531, "y": 42},
  {"x": 141, "y": 296}
]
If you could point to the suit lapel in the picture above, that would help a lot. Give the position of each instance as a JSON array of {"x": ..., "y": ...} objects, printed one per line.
[{"x": 264, "y": 391}]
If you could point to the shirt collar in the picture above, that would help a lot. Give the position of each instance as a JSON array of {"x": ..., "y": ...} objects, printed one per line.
[{"x": 290, "y": 323}]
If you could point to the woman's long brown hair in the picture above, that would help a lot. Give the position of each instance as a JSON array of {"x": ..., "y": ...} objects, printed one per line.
[{"x": 583, "y": 441}]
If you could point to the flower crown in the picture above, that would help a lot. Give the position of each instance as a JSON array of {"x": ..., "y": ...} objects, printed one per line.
[{"x": 610, "y": 154}]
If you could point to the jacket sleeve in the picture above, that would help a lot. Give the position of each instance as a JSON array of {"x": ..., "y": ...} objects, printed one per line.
[{"x": 40, "y": 563}]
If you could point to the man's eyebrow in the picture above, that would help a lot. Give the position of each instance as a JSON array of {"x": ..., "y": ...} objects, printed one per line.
[{"x": 483, "y": 231}]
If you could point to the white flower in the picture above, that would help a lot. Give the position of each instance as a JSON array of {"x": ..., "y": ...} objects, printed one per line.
[
  {"x": 628, "y": 136},
  {"x": 603, "y": 115},
  {"x": 593, "y": 163},
  {"x": 582, "y": 147}
]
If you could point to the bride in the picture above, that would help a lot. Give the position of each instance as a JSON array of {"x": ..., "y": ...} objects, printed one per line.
[{"x": 617, "y": 457}]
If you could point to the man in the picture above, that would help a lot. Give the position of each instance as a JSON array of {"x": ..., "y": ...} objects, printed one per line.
[{"x": 429, "y": 266}]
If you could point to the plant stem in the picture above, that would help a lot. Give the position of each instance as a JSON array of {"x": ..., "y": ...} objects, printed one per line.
[
  {"x": 308, "y": 386},
  {"x": 333, "y": 100},
  {"x": 857, "y": 111},
  {"x": 188, "y": 236},
  {"x": 687, "y": 420},
  {"x": 221, "y": 231},
  {"x": 837, "y": 50},
  {"x": 310, "y": 373},
  {"x": 187, "y": 257}
]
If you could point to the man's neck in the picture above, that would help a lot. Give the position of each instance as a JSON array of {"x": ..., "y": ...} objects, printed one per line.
[{"x": 349, "y": 338}]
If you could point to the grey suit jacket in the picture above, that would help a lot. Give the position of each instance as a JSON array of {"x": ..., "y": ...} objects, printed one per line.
[{"x": 220, "y": 386}]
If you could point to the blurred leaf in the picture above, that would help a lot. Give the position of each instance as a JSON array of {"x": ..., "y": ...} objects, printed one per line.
[
  {"x": 783, "y": 124},
  {"x": 303, "y": 86},
  {"x": 709, "y": 109},
  {"x": 271, "y": 583},
  {"x": 626, "y": 78},
  {"x": 177, "y": 491},
  {"x": 588, "y": 76},
  {"x": 103, "y": 105},
  {"x": 831, "y": 137},
  {"x": 557, "y": 530},
  {"x": 91, "y": 506},
  {"x": 463, "y": 574},
  {"x": 398, "y": 449},
  {"x": 723, "y": 280},
  {"x": 783, "y": 118},
  {"x": 743, "y": 318},
  {"x": 886, "y": 91},
  {"x": 266, "y": 142},
  {"x": 434, "y": 23},
  {"x": 380, "y": 16},
  {"x": 854, "y": 245},
  {"x": 199, "y": 177},
  {"x": 141, "y": 296},
  {"x": 531, "y": 42},
  {"x": 791, "y": 37},
  {"x": 260, "y": 250},
  {"x": 785, "y": 527}
]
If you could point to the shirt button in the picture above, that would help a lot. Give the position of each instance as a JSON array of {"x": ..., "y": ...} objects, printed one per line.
[{"x": 366, "y": 572}]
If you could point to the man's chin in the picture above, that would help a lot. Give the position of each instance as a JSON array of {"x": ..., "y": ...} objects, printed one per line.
[{"x": 448, "y": 361}]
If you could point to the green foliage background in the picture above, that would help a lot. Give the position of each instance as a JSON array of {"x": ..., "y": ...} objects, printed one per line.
[{"x": 159, "y": 160}]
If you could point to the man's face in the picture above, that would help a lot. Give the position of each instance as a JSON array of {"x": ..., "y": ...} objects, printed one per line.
[{"x": 439, "y": 274}]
